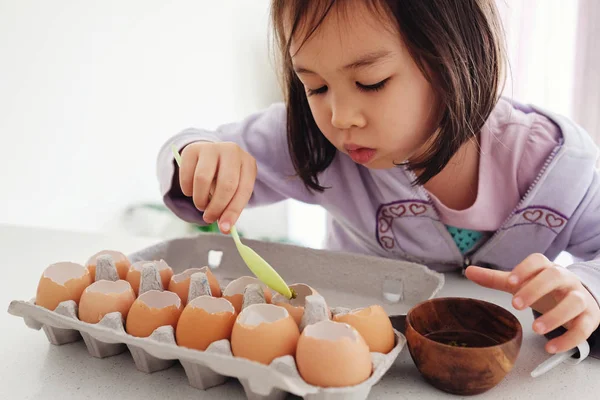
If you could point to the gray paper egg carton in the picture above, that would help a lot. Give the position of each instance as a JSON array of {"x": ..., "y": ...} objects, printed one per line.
[{"x": 344, "y": 279}]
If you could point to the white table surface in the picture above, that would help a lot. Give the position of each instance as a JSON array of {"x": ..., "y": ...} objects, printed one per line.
[{"x": 32, "y": 368}]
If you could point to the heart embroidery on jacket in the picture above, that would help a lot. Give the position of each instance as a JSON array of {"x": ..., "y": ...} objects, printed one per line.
[
  {"x": 533, "y": 216},
  {"x": 554, "y": 222},
  {"x": 398, "y": 210},
  {"x": 418, "y": 209},
  {"x": 384, "y": 225},
  {"x": 388, "y": 242}
]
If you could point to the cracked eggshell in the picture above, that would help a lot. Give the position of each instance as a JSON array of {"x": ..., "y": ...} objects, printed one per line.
[
  {"x": 180, "y": 283},
  {"x": 134, "y": 275},
  {"x": 234, "y": 292},
  {"x": 374, "y": 325},
  {"x": 103, "y": 297},
  {"x": 295, "y": 306},
  {"x": 264, "y": 332},
  {"x": 61, "y": 282},
  {"x": 333, "y": 354},
  {"x": 121, "y": 261},
  {"x": 151, "y": 310},
  {"x": 203, "y": 321}
]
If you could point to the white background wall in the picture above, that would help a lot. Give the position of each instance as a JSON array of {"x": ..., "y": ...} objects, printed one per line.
[{"x": 89, "y": 91}]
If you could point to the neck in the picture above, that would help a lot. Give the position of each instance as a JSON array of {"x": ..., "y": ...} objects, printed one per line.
[{"x": 456, "y": 185}]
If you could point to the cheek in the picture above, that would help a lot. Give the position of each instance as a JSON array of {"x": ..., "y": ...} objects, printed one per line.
[
  {"x": 408, "y": 113},
  {"x": 321, "y": 115}
]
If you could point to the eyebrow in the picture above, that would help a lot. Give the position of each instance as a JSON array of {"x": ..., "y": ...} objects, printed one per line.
[{"x": 364, "y": 61}]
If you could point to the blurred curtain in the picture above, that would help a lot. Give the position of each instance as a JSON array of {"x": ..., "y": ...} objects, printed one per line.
[
  {"x": 554, "y": 56},
  {"x": 586, "y": 102}
]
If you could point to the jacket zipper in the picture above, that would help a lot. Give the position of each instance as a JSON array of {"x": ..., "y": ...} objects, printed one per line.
[{"x": 489, "y": 242}]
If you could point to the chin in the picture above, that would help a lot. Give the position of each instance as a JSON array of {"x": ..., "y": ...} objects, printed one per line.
[{"x": 380, "y": 164}]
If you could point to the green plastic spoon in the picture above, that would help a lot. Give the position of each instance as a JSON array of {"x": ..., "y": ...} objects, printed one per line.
[{"x": 259, "y": 267}]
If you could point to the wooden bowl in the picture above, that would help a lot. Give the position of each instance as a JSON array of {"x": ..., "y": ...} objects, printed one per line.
[{"x": 463, "y": 346}]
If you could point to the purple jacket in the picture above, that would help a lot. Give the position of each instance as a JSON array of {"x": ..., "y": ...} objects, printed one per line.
[{"x": 378, "y": 212}]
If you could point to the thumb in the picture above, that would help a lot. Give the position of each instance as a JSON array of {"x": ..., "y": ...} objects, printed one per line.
[{"x": 489, "y": 278}]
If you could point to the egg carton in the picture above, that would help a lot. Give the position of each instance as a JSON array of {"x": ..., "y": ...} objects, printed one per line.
[{"x": 350, "y": 280}]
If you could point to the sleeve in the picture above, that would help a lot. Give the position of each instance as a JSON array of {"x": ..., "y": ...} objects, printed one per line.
[
  {"x": 585, "y": 245},
  {"x": 263, "y": 135}
]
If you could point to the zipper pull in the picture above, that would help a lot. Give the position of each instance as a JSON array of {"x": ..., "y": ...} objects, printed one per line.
[{"x": 466, "y": 263}]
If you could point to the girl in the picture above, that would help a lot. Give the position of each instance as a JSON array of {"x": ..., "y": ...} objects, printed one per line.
[{"x": 393, "y": 123}]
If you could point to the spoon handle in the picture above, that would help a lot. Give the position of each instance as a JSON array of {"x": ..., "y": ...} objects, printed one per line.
[
  {"x": 176, "y": 155},
  {"x": 583, "y": 348},
  {"x": 234, "y": 234},
  {"x": 551, "y": 363}
]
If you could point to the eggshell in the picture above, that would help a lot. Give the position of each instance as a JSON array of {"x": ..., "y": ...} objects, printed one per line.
[
  {"x": 296, "y": 305},
  {"x": 333, "y": 354},
  {"x": 234, "y": 292},
  {"x": 374, "y": 325},
  {"x": 205, "y": 320},
  {"x": 180, "y": 283},
  {"x": 61, "y": 282},
  {"x": 134, "y": 275},
  {"x": 103, "y": 297},
  {"x": 264, "y": 332},
  {"x": 152, "y": 310},
  {"x": 121, "y": 261}
]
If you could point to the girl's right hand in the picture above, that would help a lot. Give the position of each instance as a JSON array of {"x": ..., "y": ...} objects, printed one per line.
[{"x": 220, "y": 179}]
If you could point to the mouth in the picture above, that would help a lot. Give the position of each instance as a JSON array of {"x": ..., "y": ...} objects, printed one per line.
[{"x": 360, "y": 155}]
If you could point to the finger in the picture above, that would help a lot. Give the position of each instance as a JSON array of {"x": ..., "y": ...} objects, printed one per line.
[
  {"x": 583, "y": 326},
  {"x": 548, "y": 280},
  {"x": 489, "y": 278},
  {"x": 241, "y": 197},
  {"x": 228, "y": 179},
  {"x": 204, "y": 174},
  {"x": 571, "y": 306},
  {"x": 528, "y": 268},
  {"x": 189, "y": 159}
]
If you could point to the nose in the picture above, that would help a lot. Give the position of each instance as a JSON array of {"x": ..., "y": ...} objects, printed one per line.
[{"x": 345, "y": 114}]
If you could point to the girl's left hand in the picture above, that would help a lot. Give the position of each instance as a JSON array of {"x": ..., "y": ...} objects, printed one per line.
[{"x": 553, "y": 291}]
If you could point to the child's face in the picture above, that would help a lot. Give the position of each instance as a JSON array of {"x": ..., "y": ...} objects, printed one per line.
[{"x": 383, "y": 104}]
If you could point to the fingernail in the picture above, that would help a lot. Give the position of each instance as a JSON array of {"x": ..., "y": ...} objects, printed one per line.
[
  {"x": 539, "y": 327},
  {"x": 552, "y": 349},
  {"x": 225, "y": 226},
  {"x": 518, "y": 302},
  {"x": 513, "y": 279}
]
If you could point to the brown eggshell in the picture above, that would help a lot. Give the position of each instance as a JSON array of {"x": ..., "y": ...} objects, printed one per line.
[
  {"x": 374, "y": 325},
  {"x": 203, "y": 321},
  {"x": 264, "y": 332},
  {"x": 333, "y": 354},
  {"x": 103, "y": 297},
  {"x": 180, "y": 283},
  {"x": 61, "y": 282},
  {"x": 152, "y": 310},
  {"x": 295, "y": 306},
  {"x": 234, "y": 292},
  {"x": 121, "y": 261},
  {"x": 134, "y": 275}
]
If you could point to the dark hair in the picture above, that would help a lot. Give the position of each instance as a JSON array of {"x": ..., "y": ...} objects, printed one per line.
[{"x": 458, "y": 46}]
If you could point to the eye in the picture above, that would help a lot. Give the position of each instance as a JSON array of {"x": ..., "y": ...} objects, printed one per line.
[
  {"x": 320, "y": 90},
  {"x": 372, "y": 88}
]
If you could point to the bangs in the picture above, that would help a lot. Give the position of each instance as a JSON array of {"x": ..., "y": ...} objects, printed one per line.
[{"x": 300, "y": 19}]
